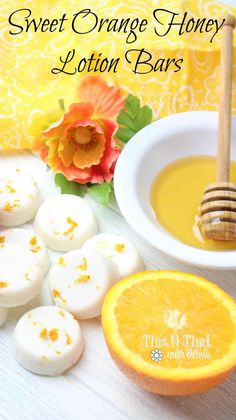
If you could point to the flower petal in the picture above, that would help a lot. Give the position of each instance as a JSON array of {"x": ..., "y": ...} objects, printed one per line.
[
  {"x": 76, "y": 113},
  {"x": 97, "y": 176},
  {"x": 52, "y": 159},
  {"x": 82, "y": 176},
  {"x": 107, "y": 100},
  {"x": 66, "y": 150},
  {"x": 40, "y": 148},
  {"x": 111, "y": 153},
  {"x": 91, "y": 153},
  {"x": 42, "y": 122}
]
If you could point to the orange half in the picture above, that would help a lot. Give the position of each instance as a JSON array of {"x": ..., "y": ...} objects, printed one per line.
[{"x": 170, "y": 332}]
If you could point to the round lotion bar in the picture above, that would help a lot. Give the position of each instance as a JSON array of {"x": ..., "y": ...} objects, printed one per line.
[
  {"x": 79, "y": 281},
  {"x": 19, "y": 198},
  {"x": 48, "y": 341},
  {"x": 121, "y": 251},
  {"x": 20, "y": 275},
  {"x": 65, "y": 222},
  {"x": 30, "y": 241}
]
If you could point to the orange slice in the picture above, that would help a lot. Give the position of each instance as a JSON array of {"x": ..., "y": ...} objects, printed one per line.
[{"x": 170, "y": 332}]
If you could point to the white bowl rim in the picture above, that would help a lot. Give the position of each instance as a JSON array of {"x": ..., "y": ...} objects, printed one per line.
[{"x": 128, "y": 201}]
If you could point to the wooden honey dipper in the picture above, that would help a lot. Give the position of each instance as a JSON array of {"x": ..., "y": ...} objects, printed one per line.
[{"x": 218, "y": 207}]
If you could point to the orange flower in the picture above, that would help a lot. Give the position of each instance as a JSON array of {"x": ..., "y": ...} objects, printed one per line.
[{"x": 81, "y": 145}]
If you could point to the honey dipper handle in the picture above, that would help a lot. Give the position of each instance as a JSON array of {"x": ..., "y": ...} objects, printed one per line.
[{"x": 224, "y": 132}]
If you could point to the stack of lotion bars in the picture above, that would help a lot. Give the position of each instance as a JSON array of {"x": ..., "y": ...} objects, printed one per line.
[{"x": 48, "y": 339}]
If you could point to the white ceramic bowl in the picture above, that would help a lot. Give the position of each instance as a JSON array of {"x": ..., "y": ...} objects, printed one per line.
[{"x": 154, "y": 147}]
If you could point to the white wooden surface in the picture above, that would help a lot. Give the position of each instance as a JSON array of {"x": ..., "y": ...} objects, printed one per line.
[{"x": 94, "y": 388}]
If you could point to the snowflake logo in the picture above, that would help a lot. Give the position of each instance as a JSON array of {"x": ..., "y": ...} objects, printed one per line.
[{"x": 156, "y": 355}]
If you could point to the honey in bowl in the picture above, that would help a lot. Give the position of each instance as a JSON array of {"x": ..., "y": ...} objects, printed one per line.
[{"x": 175, "y": 197}]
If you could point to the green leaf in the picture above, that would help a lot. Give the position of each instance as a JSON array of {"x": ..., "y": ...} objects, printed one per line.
[
  {"x": 133, "y": 118},
  {"x": 69, "y": 187},
  {"x": 101, "y": 192},
  {"x": 124, "y": 119},
  {"x": 125, "y": 134},
  {"x": 132, "y": 104},
  {"x": 144, "y": 117}
]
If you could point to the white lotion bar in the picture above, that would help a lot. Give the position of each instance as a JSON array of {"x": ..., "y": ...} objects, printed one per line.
[
  {"x": 79, "y": 281},
  {"x": 65, "y": 222},
  {"x": 20, "y": 275},
  {"x": 19, "y": 198},
  {"x": 121, "y": 251},
  {"x": 30, "y": 241},
  {"x": 48, "y": 341}
]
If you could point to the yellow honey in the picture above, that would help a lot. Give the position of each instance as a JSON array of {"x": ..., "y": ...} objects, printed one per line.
[{"x": 176, "y": 194}]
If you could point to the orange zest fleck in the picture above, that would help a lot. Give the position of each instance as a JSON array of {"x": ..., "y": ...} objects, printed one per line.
[
  {"x": 119, "y": 247},
  {"x": 83, "y": 266},
  {"x": 3, "y": 284},
  {"x": 61, "y": 261},
  {"x": 72, "y": 224},
  {"x": 53, "y": 334},
  {"x": 83, "y": 279},
  {"x": 9, "y": 189},
  {"x": 68, "y": 340},
  {"x": 43, "y": 333},
  {"x": 34, "y": 247},
  {"x": 57, "y": 295},
  {"x": 33, "y": 241},
  {"x": 9, "y": 207}
]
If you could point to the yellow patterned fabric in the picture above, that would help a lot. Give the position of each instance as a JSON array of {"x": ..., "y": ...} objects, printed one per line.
[{"x": 29, "y": 88}]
